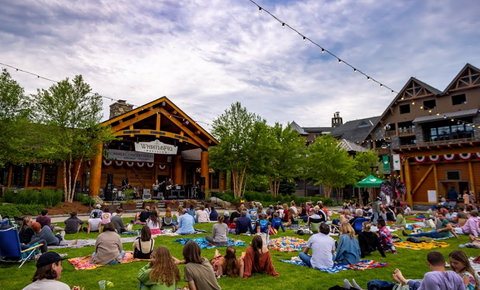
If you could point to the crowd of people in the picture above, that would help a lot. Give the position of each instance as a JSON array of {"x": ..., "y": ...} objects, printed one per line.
[{"x": 322, "y": 251}]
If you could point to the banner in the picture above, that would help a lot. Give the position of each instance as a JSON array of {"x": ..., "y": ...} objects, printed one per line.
[
  {"x": 386, "y": 163},
  {"x": 396, "y": 162},
  {"x": 123, "y": 155},
  {"x": 156, "y": 147}
]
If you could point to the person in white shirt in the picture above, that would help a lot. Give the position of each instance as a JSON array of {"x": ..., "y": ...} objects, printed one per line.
[
  {"x": 323, "y": 249},
  {"x": 49, "y": 271},
  {"x": 202, "y": 215},
  {"x": 94, "y": 224}
]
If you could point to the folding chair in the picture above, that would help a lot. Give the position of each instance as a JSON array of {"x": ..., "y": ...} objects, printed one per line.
[
  {"x": 11, "y": 249},
  {"x": 358, "y": 225}
]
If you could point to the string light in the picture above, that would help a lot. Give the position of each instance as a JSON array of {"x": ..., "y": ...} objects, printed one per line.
[
  {"x": 259, "y": 9},
  {"x": 354, "y": 70},
  {"x": 318, "y": 45}
]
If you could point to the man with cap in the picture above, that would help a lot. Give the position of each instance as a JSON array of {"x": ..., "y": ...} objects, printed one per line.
[
  {"x": 97, "y": 210},
  {"x": 49, "y": 271},
  {"x": 185, "y": 223}
]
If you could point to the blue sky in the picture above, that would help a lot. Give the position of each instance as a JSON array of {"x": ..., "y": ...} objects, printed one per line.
[{"x": 205, "y": 55}]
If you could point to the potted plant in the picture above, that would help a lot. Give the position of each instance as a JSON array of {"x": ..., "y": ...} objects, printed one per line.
[
  {"x": 172, "y": 204},
  {"x": 150, "y": 203},
  {"x": 128, "y": 205},
  {"x": 111, "y": 208},
  {"x": 187, "y": 203}
]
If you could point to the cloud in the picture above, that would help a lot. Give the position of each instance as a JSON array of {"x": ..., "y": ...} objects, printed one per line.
[{"x": 205, "y": 55}]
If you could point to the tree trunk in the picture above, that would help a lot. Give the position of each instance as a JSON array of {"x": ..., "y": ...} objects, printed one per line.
[
  {"x": 328, "y": 190},
  {"x": 77, "y": 172},
  {"x": 65, "y": 193}
]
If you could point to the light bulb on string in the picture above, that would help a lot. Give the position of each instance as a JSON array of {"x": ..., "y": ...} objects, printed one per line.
[
  {"x": 413, "y": 103},
  {"x": 354, "y": 70},
  {"x": 323, "y": 50},
  {"x": 259, "y": 9},
  {"x": 381, "y": 85},
  {"x": 368, "y": 78},
  {"x": 283, "y": 25},
  {"x": 339, "y": 61},
  {"x": 421, "y": 107},
  {"x": 304, "y": 39}
]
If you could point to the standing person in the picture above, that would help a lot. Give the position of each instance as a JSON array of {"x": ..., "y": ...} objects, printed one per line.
[
  {"x": 108, "y": 247},
  {"x": 198, "y": 271},
  {"x": 219, "y": 232},
  {"x": 348, "y": 250},
  {"x": 257, "y": 259},
  {"x": 169, "y": 186},
  {"x": 365, "y": 196},
  {"x": 437, "y": 278},
  {"x": 143, "y": 245},
  {"x": 49, "y": 271},
  {"x": 125, "y": 183},
  {"x": 185, "y": 223},
  {"x": 466, "y": 198},
  {"x": 376, "y": 209},
  {"x": 154, "y": 223},
  {"x": 161, "y": 273},
  {"x": 385, "y": 237},
  {"x": 323, "y": 249},
  {"x": 73, "y": 224},
  {"x": 460, "y": 263},
  {"x": 117, "y": 221},
  {"x": 452, "y": 196},
  {"x": 156, "y": 189}
]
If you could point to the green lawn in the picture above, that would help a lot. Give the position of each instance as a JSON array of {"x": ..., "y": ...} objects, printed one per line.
[{"x": 412, "y": 263}]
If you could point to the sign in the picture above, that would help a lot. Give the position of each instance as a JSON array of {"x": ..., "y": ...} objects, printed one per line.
[
  {"x": 432, "y": 196},
  {"x": 156, "y": 147},
  {"x": 386, "y": 163},
  {"x": 396, "y": 162},
  {"x": 123, "y": 155}
]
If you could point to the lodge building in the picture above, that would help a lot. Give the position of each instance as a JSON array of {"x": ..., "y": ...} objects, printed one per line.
[{"x": 155, "y": 141}]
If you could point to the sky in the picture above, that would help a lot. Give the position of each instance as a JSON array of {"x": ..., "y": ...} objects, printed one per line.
[{"x": 206, "y": 55}]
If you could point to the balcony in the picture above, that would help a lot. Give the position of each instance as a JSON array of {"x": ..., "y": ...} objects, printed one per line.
[
  {"x": 406, "y": 131},
  {"x": 441, "y": 142}
]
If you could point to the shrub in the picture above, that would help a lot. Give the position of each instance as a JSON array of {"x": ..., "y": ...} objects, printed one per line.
[
  {"x": 47, "y": 197},
  {"x": 21, "y": 209}
]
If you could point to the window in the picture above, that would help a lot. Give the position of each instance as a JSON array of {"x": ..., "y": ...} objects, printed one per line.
[
  {"x": 50, "y": 175},
  {"x": 459, "y": 100},
  {"x": 405, "y": 109},
  {"x": 18, "y": 178},
  {"x": 35, "y": 176},
  {"x": 430, "y": 104},
  {"x": 452, "y": 175},
  {"x": 214, "y": 180}
]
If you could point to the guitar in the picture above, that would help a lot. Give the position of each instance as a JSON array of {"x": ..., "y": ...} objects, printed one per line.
[
  {"x": 156, "y": 187},
  {"x": 169, "y": 187}
]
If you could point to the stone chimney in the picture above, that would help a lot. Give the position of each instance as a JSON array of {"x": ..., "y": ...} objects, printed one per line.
[
  {"x": 337, "y": 121},
  {"x": 119, "y": 108}
]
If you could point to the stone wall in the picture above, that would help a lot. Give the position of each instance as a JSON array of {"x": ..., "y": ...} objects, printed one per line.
[{"x": 119, "y": 108}]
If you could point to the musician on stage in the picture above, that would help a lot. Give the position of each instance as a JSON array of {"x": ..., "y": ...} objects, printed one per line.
[
  {"x": 198, "y": 191},
  {"x": 156, "y": 189},
  {"x": 126, "y": 183},
  {"x": 169, "y": 186}
]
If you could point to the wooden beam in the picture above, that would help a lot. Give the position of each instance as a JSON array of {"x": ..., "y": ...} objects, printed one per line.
[
  {"x": 150, "y": 132},
  {"x": 408, "y": 183},
  {"x": 435, "y": 178},
  {"x": 423, "y": 179},
  {"x": 134, "y": 120},
  {"x": 472, "y": 179}
]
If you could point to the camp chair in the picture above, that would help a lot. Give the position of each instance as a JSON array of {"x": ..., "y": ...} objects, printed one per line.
[
  {"x": 314, "y": 227},
  {"x": 11, "y": 249},
  {"x": 358, "y": 225}
]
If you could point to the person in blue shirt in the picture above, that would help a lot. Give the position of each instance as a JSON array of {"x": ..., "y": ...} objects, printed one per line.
[
  {"x": 263, "y": 225},
  {"x": 185, "y": 223},
  {"x": 243, "y": 224},
  {"x": 348, "y": 250},
  {"x": 452, "y": 197},
  {"x": 277, "y": 222}
]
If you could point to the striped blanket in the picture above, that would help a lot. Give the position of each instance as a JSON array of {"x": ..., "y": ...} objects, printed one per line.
[{"x": 363, "y": 265}]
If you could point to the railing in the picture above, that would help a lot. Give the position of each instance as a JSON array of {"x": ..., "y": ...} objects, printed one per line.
[
  {"x": 390, "y": 133},
  {"x": 442, "y": 142},
  {"x": 406, "y": 131}
]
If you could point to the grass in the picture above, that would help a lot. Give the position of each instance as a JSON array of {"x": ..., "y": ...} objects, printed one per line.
[{"x": 411, "y": 262}]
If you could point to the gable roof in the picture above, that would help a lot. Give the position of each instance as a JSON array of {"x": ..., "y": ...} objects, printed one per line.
[
  {"x": 350, "y": 146},
  {"x": 189, "y": 131},
  {"x": 297, "y": 128},
  {"x": 459, "y": 75},
  {"x": 355, "y": 130}
]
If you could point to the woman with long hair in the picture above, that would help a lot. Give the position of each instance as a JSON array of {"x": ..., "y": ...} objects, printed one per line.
[
  {"x": 167, "y": 220},
  {"x": 198, "y": 271},
  {"x": 154, "y": 223},
  {"x": 219, "y": 232},
  {"x": 400, "y": 222},
  {"x": 143, "y": 245},
  {"x": 26, "y": 232},
  {"x": 368, "y": 241},
  {"x": 229, "y": 264},
  {"x": 257, "y": 259},
  {"x": 461, "y": 265},
  {"x": 161, "y": 273},
  {"x": 348, "y": 250}
]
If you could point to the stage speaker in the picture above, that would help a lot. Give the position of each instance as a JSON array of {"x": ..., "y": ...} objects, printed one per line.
[
  {"x": 109, "y": 178},
  {"x": 202, "y": 180}
]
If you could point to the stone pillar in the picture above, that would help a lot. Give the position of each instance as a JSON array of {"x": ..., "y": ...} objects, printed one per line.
[
  {"x": 96, "y": 172},
  {"x": 177, "y": 169},
  {"x": 204, "y": 168}
]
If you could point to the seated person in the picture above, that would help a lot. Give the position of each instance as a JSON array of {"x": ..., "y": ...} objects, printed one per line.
[
  {"x": 73, "y": 224},
  {"x": 45, "y": 220},
  {"x": 348, "y": 249},
  {"x": 198, "y": 271},
  {"x": 471, "y": 227},
  {"x": 93, "y": 224},
  {"x": 154, "y": 223},
  {"x": 141, "y": 217},
  {"x": 257, "y": 259},
  {"x": 26, "y": 234},
  {"x": 106, "y": 216},
  {"x": 117, "y": 221},
  {"x": 185, "y": 223},
  {"x": 97, "y": 210},
  {"x": 358, "y": 215},
  {"x": 143, "y": 246},
  {"x": 277, "y": 222},
  {"x": 314, "y": 220},
  {"x": 400, "y": 222},
  {"x": 368, "y": 241},
  {"x": 437, "y": 278},
  {"x": 108, "y": 247},
  {"x": 385, "y": 237},
  {"x": 443, "y": 229},
  {"x": 161, "y": 261},
  {"x": 167, "y": 220},
  {"x": 228, "y": 265},
  {"x": 323, "y": 249},
  {"x": 243, "y": 224},
  {"x": 46, "y": 234},
  {"x": 219, "y": 232},
  {"x": 213, "y": 214},
  {"x": 202, "y": 215}
]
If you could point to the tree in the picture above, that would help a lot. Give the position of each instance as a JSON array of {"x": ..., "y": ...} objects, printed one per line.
[
  {"x": 14, "y": 122},
  {"x": 285, "y": 154},
  {"x": 72, "y": 114},
  {"x": 330, "y": 165},
  {"x": 242, "y": 137},
  {"x": 365, "y": 162}
]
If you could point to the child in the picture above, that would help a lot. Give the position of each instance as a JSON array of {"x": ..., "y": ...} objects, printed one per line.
[
  {"x": 385, "y": 237},
  {"x": 277, "y": 222},
  {"x": 232, "y": 226},
  {"x": 461, "y": 265}
]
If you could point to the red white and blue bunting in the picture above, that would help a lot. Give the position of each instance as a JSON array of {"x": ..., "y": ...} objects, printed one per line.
[
  {"x": 449, "y": 157},
  {"x": 107, "y": 162},
  {"x": 162, "y": 166},
  {"x": 140, "y": 164},
  {"x": 446, "y": 157},
  {"x": 150, "y": 164},
  {"x": 119, "y": 163},
  {"x": 130, "y": 164}
]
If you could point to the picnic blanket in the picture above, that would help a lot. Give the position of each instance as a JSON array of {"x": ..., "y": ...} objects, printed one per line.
[
  {"x": 415, "y": 219},
  {"x": 421, "y": 246},
  {"x": 83, "y": 263},
  {"x": 204, "y": 244},
  {"x": 287, "y": 244},
  {"x": 363, "y": 265},
  {"x": 473, "y": 263}
]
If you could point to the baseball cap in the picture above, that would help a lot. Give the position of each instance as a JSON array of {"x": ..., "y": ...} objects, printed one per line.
[
  {"x": 226, "y": 213},
  {"x": 48, "y": 258},
  {"x": 184, "y": 210}
]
